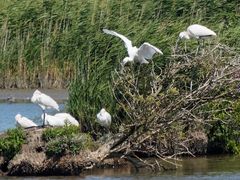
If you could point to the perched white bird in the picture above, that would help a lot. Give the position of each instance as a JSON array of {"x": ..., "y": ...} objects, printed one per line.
[
  {"x": 44, "y": 101},
  {"x": 53, "y": 120},
  {"x": 104, "y": 118},
  {"x": 24, "y": 122},
  {"x": 197, "y": 31},
  {"x": 142, "y": 54},
  {"x": 69, "y": 119}
]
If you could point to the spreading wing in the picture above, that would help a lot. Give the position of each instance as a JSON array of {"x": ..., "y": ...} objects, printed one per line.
[
  {"x": 48, "y": 101},
  {"x": 147, "y": 50},
  {"x": 127, "y": 42}
]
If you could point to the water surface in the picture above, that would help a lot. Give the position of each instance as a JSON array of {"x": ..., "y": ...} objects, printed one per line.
[
  {"x": 17, "y": 101},
  {"x": 206, "y": 168},
  {"x": 32, "y": 111}
]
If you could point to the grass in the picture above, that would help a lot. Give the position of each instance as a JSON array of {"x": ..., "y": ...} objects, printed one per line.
[{"x": 48, "y": 43}]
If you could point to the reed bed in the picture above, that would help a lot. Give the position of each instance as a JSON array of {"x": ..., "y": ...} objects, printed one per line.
[{"x": 60, "y": 43}]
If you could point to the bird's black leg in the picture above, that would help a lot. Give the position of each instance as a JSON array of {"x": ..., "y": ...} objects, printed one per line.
[
  {"x": 191, "y": 86},
  {"x": 185, "y": 46},
  {"x": 176, "y": 46},
  {"x": 44, "y": 116},
  {"x": 138, "y": 74},
  {"x": 198, "y": 48}
]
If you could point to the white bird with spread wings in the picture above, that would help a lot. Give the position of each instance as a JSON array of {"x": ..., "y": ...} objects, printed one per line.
[{"x": 141, "y": 55}]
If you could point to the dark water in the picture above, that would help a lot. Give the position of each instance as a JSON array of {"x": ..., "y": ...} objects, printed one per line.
[{"x": 213, "y": 168}]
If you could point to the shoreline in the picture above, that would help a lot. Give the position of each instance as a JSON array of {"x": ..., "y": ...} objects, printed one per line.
[{"x": 24, "y": 95}]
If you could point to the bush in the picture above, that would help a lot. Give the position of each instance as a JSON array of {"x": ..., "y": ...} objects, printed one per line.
[
  {"x": 66, "y": 140},
  {"x": 69, "y": 145},
  {"x": 53, "y": 133},
  {"x": 12, "y": 142},
  {"x": 224, "y": 133}
]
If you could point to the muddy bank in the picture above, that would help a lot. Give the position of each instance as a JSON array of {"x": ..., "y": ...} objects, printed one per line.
[
  {"x": 24, "y": 95},
  {"x": 32, "y": 160}
]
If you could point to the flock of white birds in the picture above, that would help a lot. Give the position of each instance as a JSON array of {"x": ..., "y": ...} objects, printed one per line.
[
  {"x": 140, "y": 55},
  {"x": 46, "y": 102},
  {"x": 60, "y": 119}
]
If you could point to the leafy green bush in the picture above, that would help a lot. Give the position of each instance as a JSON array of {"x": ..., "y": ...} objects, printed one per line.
[
  {"x": 225, "y": 130},
  {"x": 12, "y": 142},
  {"x": 66, "y": 140},
  {"x": 68, "y": 145},
  {"x": 53, "y": 133}
]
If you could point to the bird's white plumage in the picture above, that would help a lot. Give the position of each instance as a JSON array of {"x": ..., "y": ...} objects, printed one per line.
[
  {"x": 69, "y": 119},
  {"x": 141, "y": 54},
  {"x": 24, "y": 122},
  {"x": 127, "y": 42},
  {"x": 147, "y": 50},
  {"x": 184, "y": 35},
  {"x": 54, "y": 121},
  {"x": 104, "y": 118},
  {"x": 197, "y": 31},
  {"x": 44, "y": 101}
]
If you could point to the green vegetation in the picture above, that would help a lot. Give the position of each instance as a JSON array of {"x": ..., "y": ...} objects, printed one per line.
[
  {"x": 224, "y": 135},
  {"x": 53, "y": 133},
  {"x": 11, "y": 143},
  {"x": 66, "y": 140},
  {"x": 47, "y": 43}
]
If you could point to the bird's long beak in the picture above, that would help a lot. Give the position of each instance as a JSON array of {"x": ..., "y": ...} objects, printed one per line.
[{"x": 122, "y": 67}]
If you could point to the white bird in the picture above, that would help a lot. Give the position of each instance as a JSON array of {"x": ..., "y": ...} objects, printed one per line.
[
  {"x": 44, "y": 101},
  {"x": 24, "y": 122},
  {"x": 196, "y": 31},
  {"x": 142, "y": 54},
  {"x": 53, "y": 120},
  {"x": 69, "y": 119},
  {"x": 104, "y": 118}
]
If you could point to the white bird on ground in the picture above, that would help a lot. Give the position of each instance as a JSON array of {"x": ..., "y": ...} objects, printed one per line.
[
  {"x": 53, "y": 120},
  {"x": 44, "y": 101},
  {"x": 24, "y": 122},
  {"x": 196, "y": 31},
  {"x": 104, "y": 118},
  {"x": 69, "y": 119},
  {"x": 142, "y": 54}
]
